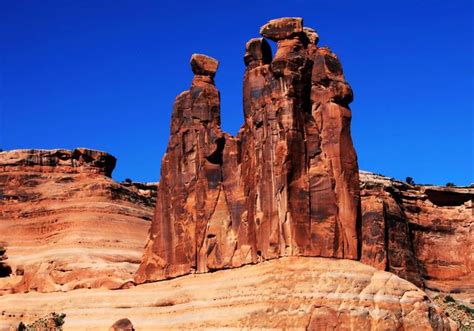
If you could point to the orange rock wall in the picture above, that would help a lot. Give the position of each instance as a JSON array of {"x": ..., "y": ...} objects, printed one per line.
[
  {"x": 66, "y": 224},
  {"x": 421, "y": 233}
]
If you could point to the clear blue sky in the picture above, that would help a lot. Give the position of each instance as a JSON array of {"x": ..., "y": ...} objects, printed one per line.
[{"x": 104, "y": 74}]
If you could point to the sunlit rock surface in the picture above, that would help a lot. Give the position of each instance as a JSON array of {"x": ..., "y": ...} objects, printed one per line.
[
  {"x": 286, "y": 185},
  {"x": 66, "y": 224},
  {"x": 296, "y": 293},
  {"x": 421, "y": 233}
]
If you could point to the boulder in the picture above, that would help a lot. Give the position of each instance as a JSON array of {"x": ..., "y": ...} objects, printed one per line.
[
  {"x": 282, "y": 28},
  {"x": 204, "y": 65},
  {"x": 123, "y": 324}
]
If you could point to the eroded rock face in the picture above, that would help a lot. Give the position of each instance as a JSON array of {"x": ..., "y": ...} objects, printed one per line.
[
  {"x": 65, "y": 224},
  {"x": 80, "y": 160},
  {"x": 421, "y": 233},
  {"x": 286, "y": 185},
  {"x": 296, "y": 293}
]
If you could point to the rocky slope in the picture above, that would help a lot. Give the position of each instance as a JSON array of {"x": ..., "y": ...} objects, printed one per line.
[
  {"x": 296, "y": 292},
  {"x": 286, "y": 185},
  {"x": 66, "y": 224},
  {"x": 422, "y": 233}
]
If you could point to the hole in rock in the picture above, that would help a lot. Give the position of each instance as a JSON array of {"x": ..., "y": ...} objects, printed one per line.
[{"x": 216, "y": 156}]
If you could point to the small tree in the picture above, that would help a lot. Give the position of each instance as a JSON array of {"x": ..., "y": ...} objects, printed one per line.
[
  {"x": 450, "y": 184},
  {"x": 410, "y": 180},
  {"x": 128, "y": 181}
]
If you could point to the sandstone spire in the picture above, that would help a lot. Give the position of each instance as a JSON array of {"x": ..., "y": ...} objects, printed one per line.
[{"x": 287, "y": 184}]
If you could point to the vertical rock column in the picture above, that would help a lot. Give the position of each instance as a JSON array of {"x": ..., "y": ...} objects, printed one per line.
[
  {"x": 276, "y": 102},
  {"x": 332, "y": 161},
  {"x": 190, "y": 180},
  {"x": 286, "y": 185},
  {"x": 299, "y": 163},
  {"x": 259, "y": 137}
]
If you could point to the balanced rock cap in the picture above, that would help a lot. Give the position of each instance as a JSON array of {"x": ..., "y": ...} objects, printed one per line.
[
  {"x": 204, "y": 65},
  {"x": 282, "y": 28},
  {"x": 312, "y": 35}
]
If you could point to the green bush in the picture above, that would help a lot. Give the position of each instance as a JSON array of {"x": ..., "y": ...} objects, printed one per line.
[{"x": 449, "y": 298}]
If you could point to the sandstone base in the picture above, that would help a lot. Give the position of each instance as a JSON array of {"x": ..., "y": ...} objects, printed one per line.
[{"x": 298, "y": 293}]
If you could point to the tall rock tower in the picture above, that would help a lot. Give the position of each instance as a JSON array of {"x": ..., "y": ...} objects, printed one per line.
[{"x": 287, "y": 184}]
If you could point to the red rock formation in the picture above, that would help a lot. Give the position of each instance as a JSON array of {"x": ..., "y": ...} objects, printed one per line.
[
  {"x": 292, "y": 293},
  {"x": 421, "y": 233},
  {"x": 65, "y": 224},
  {"x": 286, "y": 185},
  {"x": 80, "y": 160}
]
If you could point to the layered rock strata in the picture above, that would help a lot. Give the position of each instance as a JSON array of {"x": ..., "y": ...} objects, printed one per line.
[
  {"x": 294, "y": 293},
  {"x": 286, "y": 185},
  {"x": 421, "y": 233},
  {"x": 66, "y": 224}
]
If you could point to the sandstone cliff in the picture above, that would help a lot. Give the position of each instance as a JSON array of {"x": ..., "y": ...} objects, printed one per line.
[
  {"x": 286, "y": 185},
  {"x": 66, "y": 224},
  {"x": 421, "y": 233},
  {"x": 294, "y": 293}
]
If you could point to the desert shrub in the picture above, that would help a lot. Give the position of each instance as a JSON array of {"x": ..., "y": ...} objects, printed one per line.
[
  {"x": 51, "y": 322},
  {"x": 410, "y": 180},
  {"x": 449, "y": 298},
  {"x": 58, "y": 319},
  {"x": 467, "y": 309}
]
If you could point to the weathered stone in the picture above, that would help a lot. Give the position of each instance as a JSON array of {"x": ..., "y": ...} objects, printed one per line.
[
  {"x": 287, "y": 184},
  {"x": 282, "y": 28},
  {"x": 65, "y": 224},
  {"x": 123, "y": 324},
  {"x": 423, "y": 237},
  {"x": 294, "y": 293},
  {"x": 204, "y": 65},
  {"x": 257, "y": 52},
  {"x": 311, "y": 35},
  {"x": 80, "y": 160}
]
